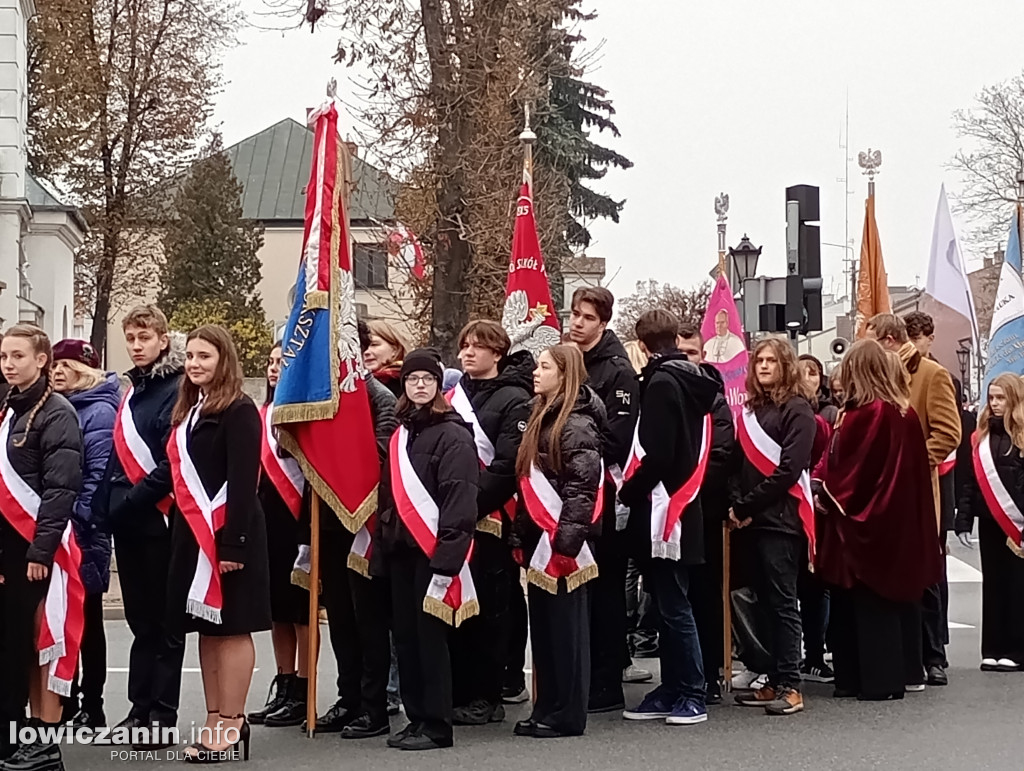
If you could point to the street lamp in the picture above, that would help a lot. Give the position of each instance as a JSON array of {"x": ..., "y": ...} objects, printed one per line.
[
  {"x": 963, "y": 356},
  {"x": 744, "y": 258}
]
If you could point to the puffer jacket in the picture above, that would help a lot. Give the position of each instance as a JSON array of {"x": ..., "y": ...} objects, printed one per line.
[
  {"x": 97, "y": 410},
  {"x": 576, "y": 483},
  {"x": 49, "y": 461},
  {"x": 612, "y": 377},
  {"x": 1010, "y": 468},
  {"x": 443, "y": 455}
]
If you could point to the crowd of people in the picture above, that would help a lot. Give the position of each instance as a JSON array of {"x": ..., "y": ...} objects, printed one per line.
[{"x": 602, "y": 476}]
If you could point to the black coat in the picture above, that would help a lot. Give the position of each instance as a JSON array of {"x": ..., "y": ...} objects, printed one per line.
[
  {"x": 50, "y": 462},
  {"x": 502, "y": 407},
  {"x": 675, "y": 395},
  {"x": 225, "y": 447},
  {"x": 443, "y": 454},
  {"x": 767, "y": 500},
  {"x": 576, "y": 482},
  {"x": 1010, "y": 467},
  {"x": 131, "y": 510},
  {"x": 611, "y": 375},
  {"x": 714, "y": 497}
]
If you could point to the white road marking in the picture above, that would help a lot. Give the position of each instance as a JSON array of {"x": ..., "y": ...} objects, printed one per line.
[
  {"x": 957, "y": 625},
  {"x": 959, "y": 572},
  {"x": 185, "y": 670}
]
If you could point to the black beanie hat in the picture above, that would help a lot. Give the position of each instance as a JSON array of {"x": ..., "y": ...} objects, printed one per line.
[{"x": 423, "y": 360}]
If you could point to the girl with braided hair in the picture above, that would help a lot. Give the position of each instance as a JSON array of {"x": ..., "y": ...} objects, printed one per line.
[{"x": 40, "y": 478}]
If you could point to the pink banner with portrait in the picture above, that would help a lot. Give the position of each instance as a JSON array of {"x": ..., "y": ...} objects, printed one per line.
[{"x": 724, "y": 344}]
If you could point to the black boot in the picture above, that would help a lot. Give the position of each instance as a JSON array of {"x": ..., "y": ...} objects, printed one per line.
[
  {"x": 37, "y": 756},
  {"x": 276, "y": 697},
  {"x": 293, "y": 711}
]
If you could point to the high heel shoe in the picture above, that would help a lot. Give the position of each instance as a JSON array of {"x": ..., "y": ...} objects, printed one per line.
[{"x": 207, "y": 755}]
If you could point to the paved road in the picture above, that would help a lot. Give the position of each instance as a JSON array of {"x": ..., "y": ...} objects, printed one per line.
[{"x": 975, "y": 723}]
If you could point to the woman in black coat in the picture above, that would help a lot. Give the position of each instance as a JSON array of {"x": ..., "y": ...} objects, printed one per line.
[
  {"x": 218, "y": 573},
  {"x": 42, "y": 476},
  {"x": 424, "y": 532},
  {"x": 559, "y": 467}
]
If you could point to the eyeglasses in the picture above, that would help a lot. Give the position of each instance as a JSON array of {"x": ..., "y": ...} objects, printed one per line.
[{"x": 421, "y": 379}]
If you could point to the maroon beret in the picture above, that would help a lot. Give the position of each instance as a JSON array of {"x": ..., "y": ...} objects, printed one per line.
[{"x": 78, "y": 350}]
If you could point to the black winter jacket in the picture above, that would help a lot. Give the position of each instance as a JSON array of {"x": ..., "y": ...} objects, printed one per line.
[
  {"x": 131, "y": 510},
  {"x": 767, "y": 500},
  {"x": 611, "y": 375},
  {"x": 1009, "y": 466},
  {"x": 502, "y": 407},
  {"x": 675, "y": 395},
  {"x": 49, "y": 461},
  {"x": 576, "y": 483},
  {"x": 443, "y": 454},
  {"x": 714, "y": 496}
]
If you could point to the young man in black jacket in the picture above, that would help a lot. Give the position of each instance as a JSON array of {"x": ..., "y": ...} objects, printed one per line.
[
  {"x": 493, "y": 396},
  {"x": 611, "y": 375},
  {"x": 706, "y": 579},
  {"x": 131, "y": 504},
  {"x": 666, "y": 533},
  {"x": 770, "y": 499}
]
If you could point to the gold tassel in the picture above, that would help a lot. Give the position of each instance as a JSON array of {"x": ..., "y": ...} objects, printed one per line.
[
  {"x": 1015, "y": 548},
  {"x": 316, "y": 301},
  {"x": 489, "y": 526},
  {"x": 438, "y": 609},
  {"x": 580, "y": 577},
  {"x": 468, "y": 610},
  {"x": 359, "y": 564},
  {"x": 542, "y": 580}
]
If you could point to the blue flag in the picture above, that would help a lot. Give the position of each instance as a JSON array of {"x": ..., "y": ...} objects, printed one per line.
[{"x": 1006, "y": 338}]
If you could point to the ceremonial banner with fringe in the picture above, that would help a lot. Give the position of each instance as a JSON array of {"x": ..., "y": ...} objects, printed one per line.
[{"x": 321, "y": 403}]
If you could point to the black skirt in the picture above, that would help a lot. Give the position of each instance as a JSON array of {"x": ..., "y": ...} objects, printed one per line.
[
  {"x": 289, "y": 604},
  {"x": 246, "y": 592}
]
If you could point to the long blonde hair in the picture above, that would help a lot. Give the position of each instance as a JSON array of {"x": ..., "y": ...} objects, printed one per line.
[
  {"x": 87, "y": 377},
  {"x": 1013, "y": 415},
  {"x": 636, "y": 356},
  {"x": 569, "y": 362},
  {"x": 791, "y": 378},
  {"x": 870, "y": 373}
]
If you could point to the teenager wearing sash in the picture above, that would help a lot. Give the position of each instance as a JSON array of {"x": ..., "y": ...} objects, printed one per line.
[
  {"x": 96, "y": 396},
  {"x": 773, "y": 510},
  {"x": 358, "y": 607},
  {"x": 493, "y": 396},
  {"x": 132, "y": 504},
  {"x": 561, "y": 480},
  {"x": 706, "y": 580},
  {"x": 428, "y": 515},
  {"x": 994, "y": 496},
  {"x": 219, "y": 572},
  {"x": 281, "y": 494},
  {"x": 876, "y": 548},
  {"x": 610, "y": 373},
  {"x": 43, "y": 598},
  {"x": 663, "y": 480},
  {"x": 383, "y": 356}
]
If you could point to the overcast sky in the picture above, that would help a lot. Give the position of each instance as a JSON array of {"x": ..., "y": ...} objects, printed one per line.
[{"x": 745, "y": 97}]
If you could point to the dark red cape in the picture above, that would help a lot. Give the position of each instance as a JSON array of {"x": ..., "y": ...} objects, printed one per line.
[{"x": 880, "y": 527}]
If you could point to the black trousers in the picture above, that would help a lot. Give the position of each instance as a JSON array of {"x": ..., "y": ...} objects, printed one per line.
[
  {"x": 777, "y": 561},
  {"x": 934, "y": 621},
  {"x": 706, "y": 599},
  {"x": 867, "y": 642},
  {"x": 421, "y": 642},
  {"x": 1002, "y": 595},
  {"x": 609, "y": 653},
  {"x": 158, "y": 648},
  {"x": 19, "y": 602},
  {"x": 479, "y": 644},
  {"x": 814, "y": 614},
  {"x": 91, "y": 675},
  {"x": 518, "y": 630},
  {"x": 641, "y": 614},
  {"x": 358, "y": 619},
  {"x": 561, "y": 625}
]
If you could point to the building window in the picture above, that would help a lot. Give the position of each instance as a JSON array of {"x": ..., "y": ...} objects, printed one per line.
[{"x": 371, "y": 266}]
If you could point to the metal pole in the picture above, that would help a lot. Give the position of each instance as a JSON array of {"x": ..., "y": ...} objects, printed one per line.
[{"x": 314, "y": 614}]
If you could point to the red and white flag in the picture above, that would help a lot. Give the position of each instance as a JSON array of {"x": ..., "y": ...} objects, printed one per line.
[
  {"x": 205, "y": 516},
  {"x": 765, "y": 454},
  {"x": 545, "y": 508},
  {"x": 1000, "y": 503},
  {"x": 284, "y": 473},
  {"x": 667, "y": 510},
  {"x": 132, "y": 450},
  {"x": 452, "y": 600},
  {"x": 403, "y": 244},
  {"x": 948, "y": 464}
]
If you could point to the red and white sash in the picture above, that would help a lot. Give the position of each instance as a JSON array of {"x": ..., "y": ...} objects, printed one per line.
[
  {"x": 460, "y": 402},
  {"x": 205, "y": 516},
  {"x": 667, "y": 510},
  {"x": 132, "y": 450},
  {"x": 284, "y": 473},
  {"x": 948, "y": 464},
  {"x": 765, "y": 454},
  {"x": 63, "y": 618},
  {"x": 457, "y": 601},
  {"x": 362, "y": 548},
  {"x": 545, "y": 508},
  {"x": 1000, "y": 502}
]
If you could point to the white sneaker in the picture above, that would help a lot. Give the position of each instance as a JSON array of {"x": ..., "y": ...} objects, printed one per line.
[
  {"x": 741, "y": 681},
  {"x": 989, "y": 665},
  {"x": 916, "y": 688},
  {"x": 1007, "y": 665},
  {"x": 634, "y": 674}
]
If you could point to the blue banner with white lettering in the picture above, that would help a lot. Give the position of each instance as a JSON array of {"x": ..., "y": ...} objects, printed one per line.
[{"x": 1006, "y": 338}]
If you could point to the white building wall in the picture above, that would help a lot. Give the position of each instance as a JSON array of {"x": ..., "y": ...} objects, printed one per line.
[{"x": 50, "y": 256}]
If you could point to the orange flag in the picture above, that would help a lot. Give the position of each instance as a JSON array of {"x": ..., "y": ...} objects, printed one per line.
[{"x": 872, "y": 282}]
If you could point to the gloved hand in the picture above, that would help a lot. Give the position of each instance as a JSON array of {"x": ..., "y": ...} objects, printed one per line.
[{"x": 965, "y": 539}]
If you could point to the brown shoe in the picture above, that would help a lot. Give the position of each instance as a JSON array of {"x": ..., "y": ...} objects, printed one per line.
[
  {"x": 788, "y": 702},
  {"x": 759, "y": 698}
]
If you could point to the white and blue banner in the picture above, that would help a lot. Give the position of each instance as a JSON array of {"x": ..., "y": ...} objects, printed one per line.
[{"x": 1006, "y": 339}]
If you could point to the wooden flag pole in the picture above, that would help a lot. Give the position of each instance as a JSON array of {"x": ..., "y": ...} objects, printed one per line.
[
  {"x": 314, "y": 614},
  {"x": 726, "y": 612}
]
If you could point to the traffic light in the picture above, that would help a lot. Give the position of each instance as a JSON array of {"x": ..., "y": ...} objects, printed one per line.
[{"x": 803, "y": 256}]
